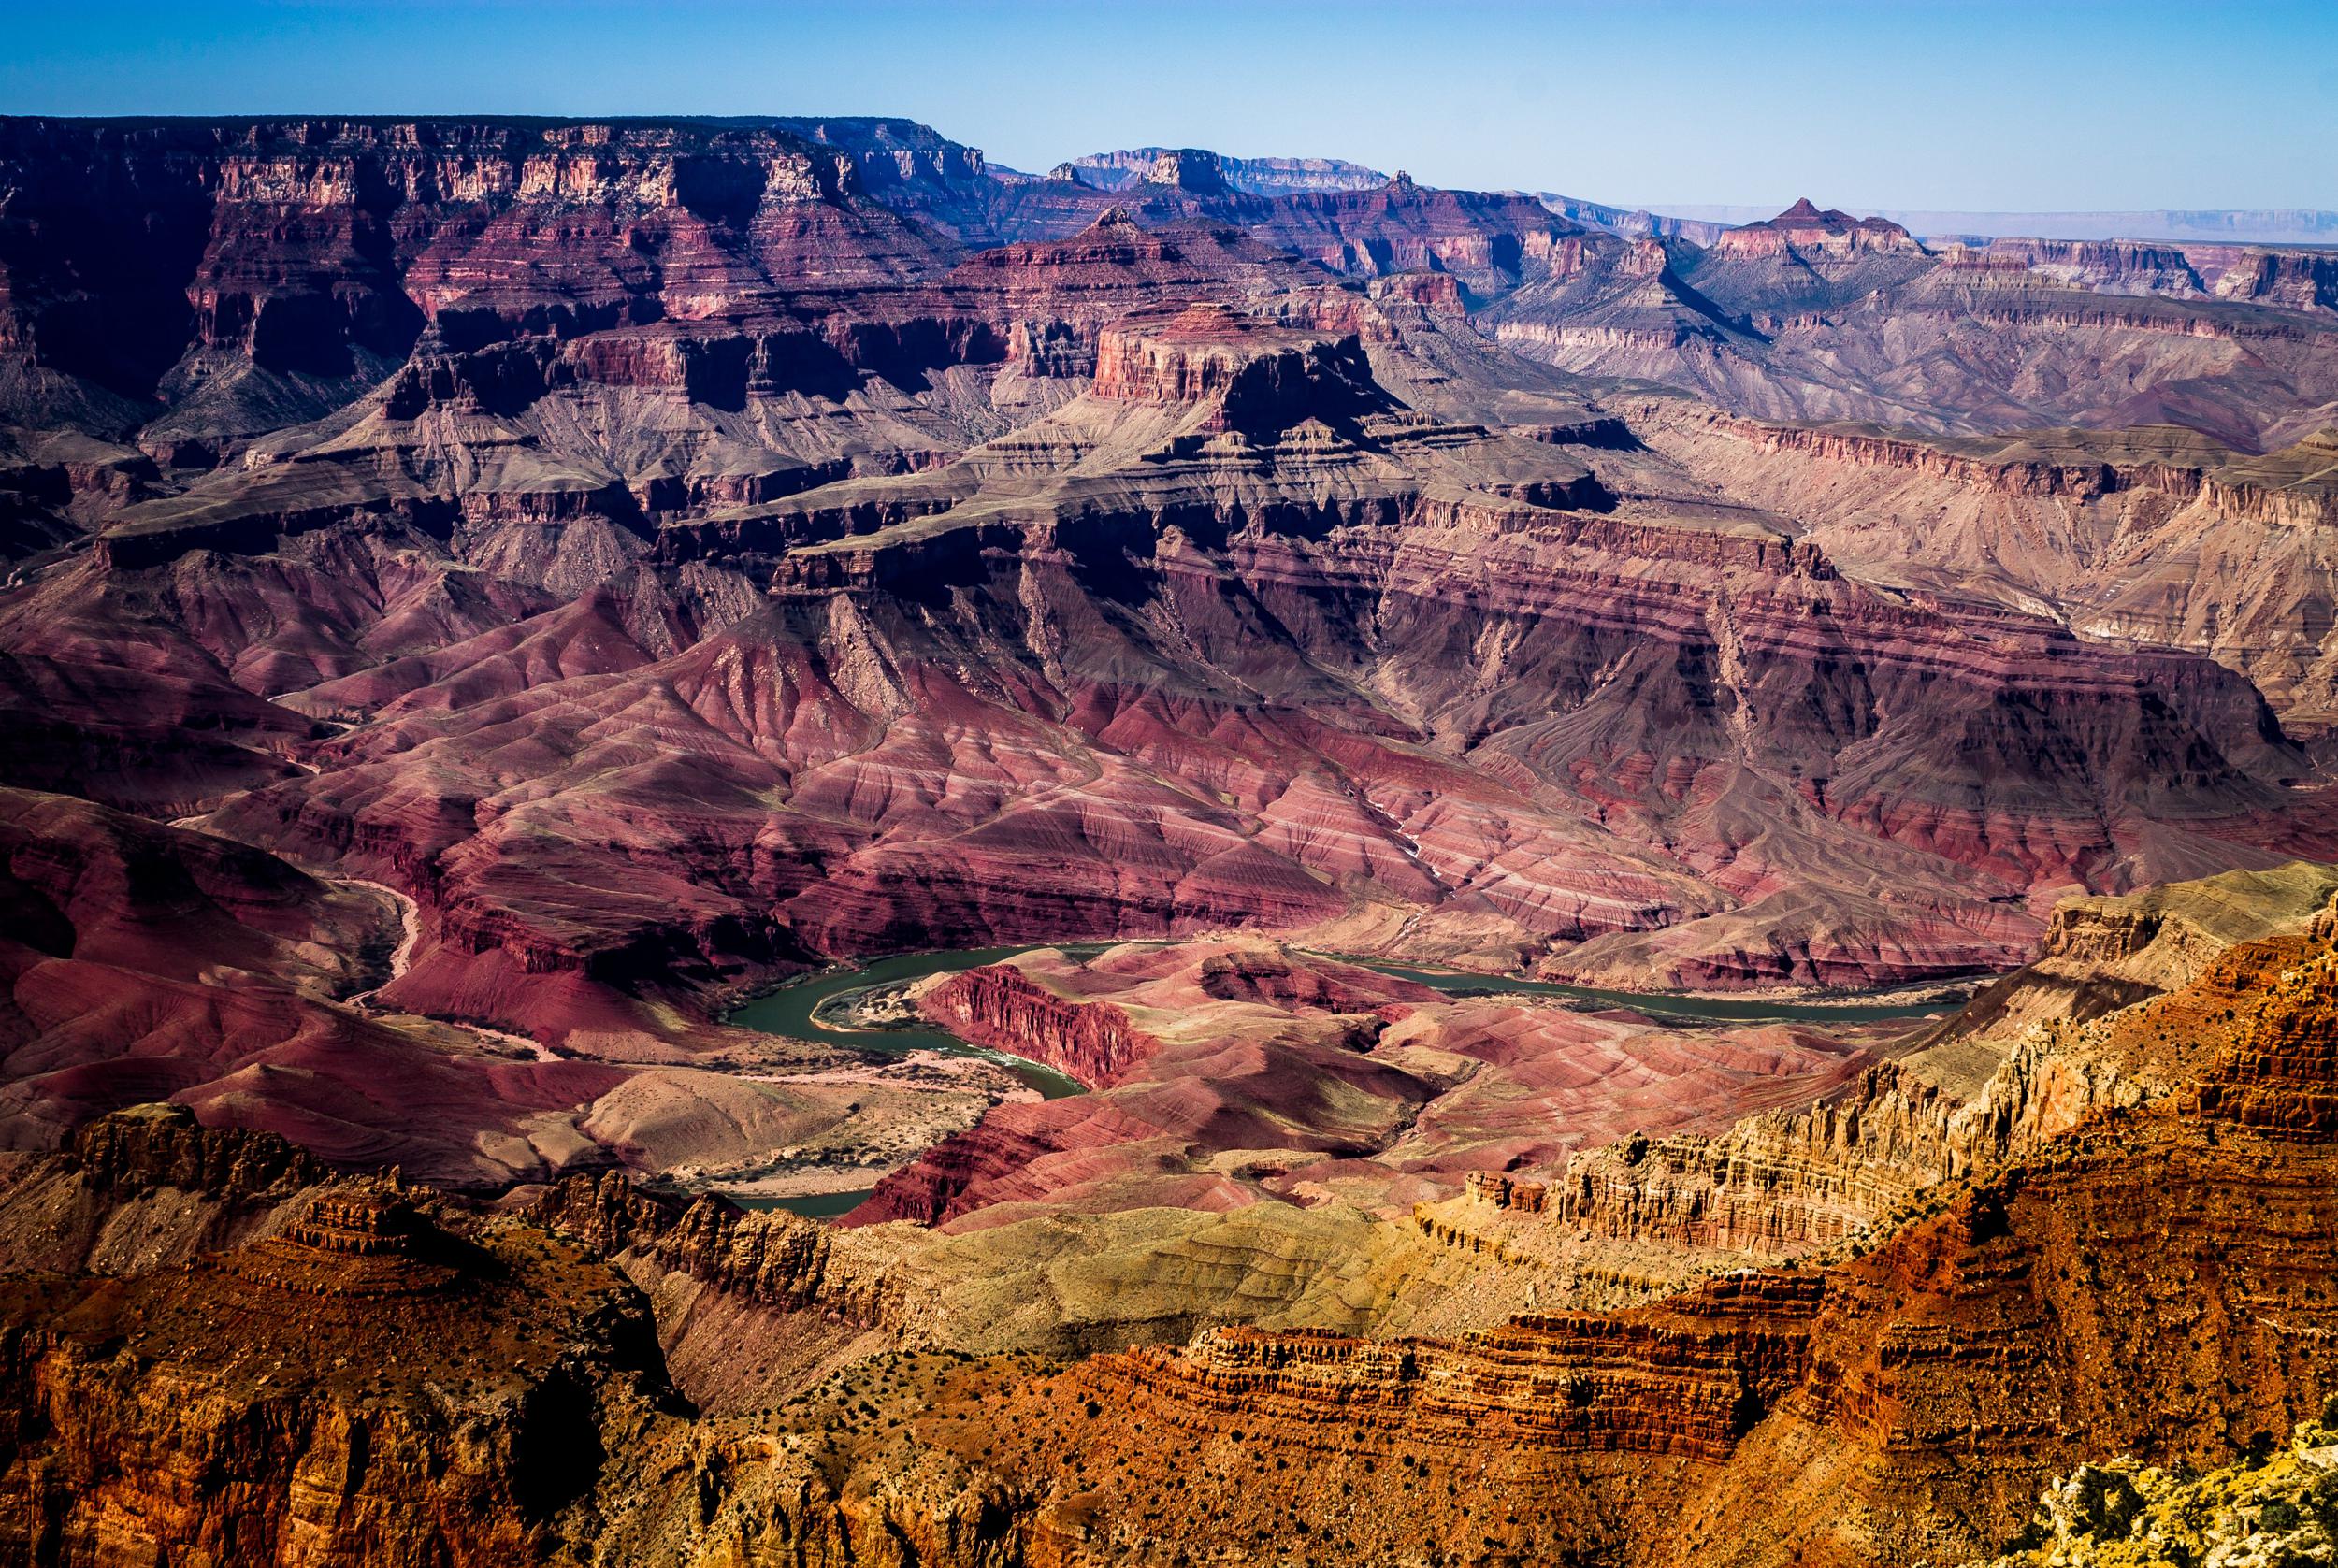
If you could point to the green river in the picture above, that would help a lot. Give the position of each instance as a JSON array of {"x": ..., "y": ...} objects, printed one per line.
[{"x": 810, "y": 1008}]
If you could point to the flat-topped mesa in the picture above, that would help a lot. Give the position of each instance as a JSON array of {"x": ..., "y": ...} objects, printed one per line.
[
  {"x": 1191, "y": 169},
  {"x": 1263, "y": 377},
  {"x": 340, "y": 161},
  {"x": 2112, "y": 265},
  {"x": 2301, "y": 279},
  {"x": 2291, "y": 486},
  {"x": 1805, "y": 227},
  {"x": 2285, "y": 278},
  {"x": 1257, "y": 177},
  {"x": 1057, "y": 293},
  {"x": 1971, "y": 264},
  {"x": 1437, "y": 293},
  {"x": 890, "y": 151}
]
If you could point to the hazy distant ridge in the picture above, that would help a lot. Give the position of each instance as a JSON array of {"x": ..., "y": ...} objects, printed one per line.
[{"x": 2254, "y": 226}]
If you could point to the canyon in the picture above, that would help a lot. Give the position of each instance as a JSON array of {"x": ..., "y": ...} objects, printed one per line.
[
  {"x": 2144, "y": 1273},
  {"x": 1339, "y": 671}
]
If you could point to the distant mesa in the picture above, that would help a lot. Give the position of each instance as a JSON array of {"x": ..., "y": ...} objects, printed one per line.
[
  {"x": 1265, "y": 377},
  {"x": 1189, "y": 168},
  {"x": 1256, "y": 176}
]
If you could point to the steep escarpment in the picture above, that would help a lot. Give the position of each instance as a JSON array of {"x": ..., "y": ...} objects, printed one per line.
[
  {"x": 1262, "y": 177},
  {"x": 1259, "y": 379},
  {"x": 996, "y": 1005},
  {"x": 2294, "y": 280},
  {"x": 465, "y": 1448},
  {"x": 300, "y": 260},
  {"x": 1688, "y": 1378},
  {"x": 2100, "y": 955},
  {"x": 146, "y": 1187},
  {"x": 1491, "y": 665},
  {"x": 2144, "y": 1278},
  {"x": 2156, "y": 534},
  {"x": 1815, "y": 316},
  {"x": 1919, "y": 1394},
  {"x": 2282, "y": 488},
  {"x": 2130, "y": 1003},
  {"x": 771, "y": 1259}
]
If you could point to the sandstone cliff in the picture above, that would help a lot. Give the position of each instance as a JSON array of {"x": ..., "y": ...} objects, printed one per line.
[{"x": 2150, "y": 1280}]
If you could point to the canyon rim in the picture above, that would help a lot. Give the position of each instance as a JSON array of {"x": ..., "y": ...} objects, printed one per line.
[{"x": 737, "y": 839}]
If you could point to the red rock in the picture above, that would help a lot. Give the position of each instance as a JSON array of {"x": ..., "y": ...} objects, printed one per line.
[{"x": 1198, "y": 1051}]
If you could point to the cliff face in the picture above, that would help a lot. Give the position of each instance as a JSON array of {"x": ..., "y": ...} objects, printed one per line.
[
  {"x": 996, "y": 1005},
  {"x": 2128, "y": 1005},
  {"x": 2100, "y": 955},
  {"x": 202, "y": 282},
  {"x": 384, "y": 1398},
  {"x": 1919, "y": 1394},
  {"x": 313, "y": 251},
  {"x": 2144, "y": 1279},
  {"x": 2291, "y": 279},
  {"x": 147, "y": 1187},
  {"x": 1259, "y": 176},
  {"x": 1259, "y": 379},
  {"x": 2154, "y": 534},
  {"x": 771, "y": 1259},
  {"x": 2112, "y": 265},
  {"x": 1783, "y": 1185},
  {"x": 1804, "y": 228},
  {"x": 1689, "y": 1379},
  {"x": 1815, "y": 316},
  {"x": 2043, "y": 478}
]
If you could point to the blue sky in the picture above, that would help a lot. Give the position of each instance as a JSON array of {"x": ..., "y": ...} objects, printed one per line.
[{"x": 2042, "y": 105}]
